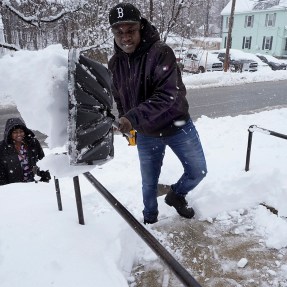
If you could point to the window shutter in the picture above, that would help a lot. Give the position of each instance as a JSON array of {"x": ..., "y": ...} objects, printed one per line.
[
  {"x": 245, "y": 23},
  {"x": 250, "y": 42},
  {"x": 271, "y": 40},
  {"x": 263, "y": 44},
  {"x": 266, "y": 20},
  {"x": 243, "y": 42},
  {"x": 252, "y": 20}
]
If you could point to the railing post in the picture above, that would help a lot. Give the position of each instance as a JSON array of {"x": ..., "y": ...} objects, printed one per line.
[
  {"x": 58, "y": 194},
  {"x": 250, "y": 134},
  {"x": 78, "y": 200},
  {"x": 252, "y": 129}
]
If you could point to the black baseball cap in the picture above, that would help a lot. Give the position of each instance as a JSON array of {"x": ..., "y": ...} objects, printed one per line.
[{"x": 124, "y": 12}]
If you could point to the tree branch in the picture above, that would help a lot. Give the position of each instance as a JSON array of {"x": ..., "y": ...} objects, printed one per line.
[
  {"x": 34, "y": 20},
  {"x": 172, "y": 21},
  {"x": 58, "y": 16},
  {"x": 9, "y": 47}
]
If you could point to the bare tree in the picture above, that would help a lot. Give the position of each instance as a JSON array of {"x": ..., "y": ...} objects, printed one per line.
[
  {"x": 164, "y": 15},
  {"x": 34, "y": 24},
  {"x": 26, "y": 23}
]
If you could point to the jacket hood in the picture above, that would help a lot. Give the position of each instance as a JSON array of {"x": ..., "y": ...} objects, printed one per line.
[
  {"x": 149, "y": 35},
  {"x": 11, "y": 124}
]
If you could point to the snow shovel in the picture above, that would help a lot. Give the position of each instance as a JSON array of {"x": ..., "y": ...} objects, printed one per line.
[{"x": 90, "y": 119}]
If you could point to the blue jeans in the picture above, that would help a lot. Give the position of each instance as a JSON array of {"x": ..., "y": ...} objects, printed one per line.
[{"x": 187, "y": 147}]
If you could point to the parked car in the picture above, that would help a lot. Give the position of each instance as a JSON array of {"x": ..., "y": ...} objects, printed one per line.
[
  {"x": 200, "y": 61},
  {"x": 239, "y": 61},
  {"x": 180, "y": 53},
  {"x": 272, "y": 62}
]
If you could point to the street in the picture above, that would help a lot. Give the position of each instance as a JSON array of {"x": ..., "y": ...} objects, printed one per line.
[
  {"x": 236, "y": 100},
  {"x": 211, "y": 102}
]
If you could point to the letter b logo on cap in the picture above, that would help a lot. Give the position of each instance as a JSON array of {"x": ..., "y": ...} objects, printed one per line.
[
  {"x": 124, "y": 12},
  {"x": 120, "y": 12}
]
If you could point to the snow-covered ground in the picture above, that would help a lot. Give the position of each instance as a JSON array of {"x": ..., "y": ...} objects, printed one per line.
[{"x": 41, "y": 246}]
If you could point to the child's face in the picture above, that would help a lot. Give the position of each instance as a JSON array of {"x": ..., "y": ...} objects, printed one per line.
[{"x": 18, "y": 135}]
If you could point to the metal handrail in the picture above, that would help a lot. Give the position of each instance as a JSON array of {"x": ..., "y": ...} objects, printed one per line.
[
  {"x": 182, "y": 274},
  {"x": 254, "y": 128}
]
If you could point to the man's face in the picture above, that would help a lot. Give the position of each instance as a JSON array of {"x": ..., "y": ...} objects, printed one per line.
[{"x": 127, "y": 36}]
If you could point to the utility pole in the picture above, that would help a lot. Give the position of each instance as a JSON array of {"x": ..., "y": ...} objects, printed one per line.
[
  {"x": 228, "y": 42},
  {"x": 206, "y": 26},
  {"x": 151, "y": 10}
]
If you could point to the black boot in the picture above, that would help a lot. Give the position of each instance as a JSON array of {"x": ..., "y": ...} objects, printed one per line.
[
  {"x": 150, "y": 221},
  {"x": 179, "y": 203},
  {"x": 150, "y": 218}
]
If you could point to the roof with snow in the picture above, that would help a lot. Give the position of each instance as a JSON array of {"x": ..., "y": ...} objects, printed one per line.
[
  {"x": 242, "y": 6},
  {"x": 176, "y": 39}
]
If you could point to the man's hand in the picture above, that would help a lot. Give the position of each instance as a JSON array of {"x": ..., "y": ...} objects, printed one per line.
[{"x": 124, "y": 125}]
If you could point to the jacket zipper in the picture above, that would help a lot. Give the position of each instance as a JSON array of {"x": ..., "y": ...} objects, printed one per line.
[{"x": 131, "y": 95}]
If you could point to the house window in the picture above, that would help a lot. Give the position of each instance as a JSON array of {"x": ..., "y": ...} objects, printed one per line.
[
  {"x": 286, "y": 45},
  {"x": 249, "y": 21},
  {"x": 270, "y": 20},
  {"x": 246, "y": 43},
  {"x": 267, "y": 43}
]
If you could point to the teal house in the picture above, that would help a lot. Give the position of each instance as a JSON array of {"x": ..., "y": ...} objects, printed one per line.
[{"x": 260, "y": 26}]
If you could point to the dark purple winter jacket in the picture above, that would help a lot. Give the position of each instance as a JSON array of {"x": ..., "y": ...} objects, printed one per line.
[{"x": 147, "y": 86}]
